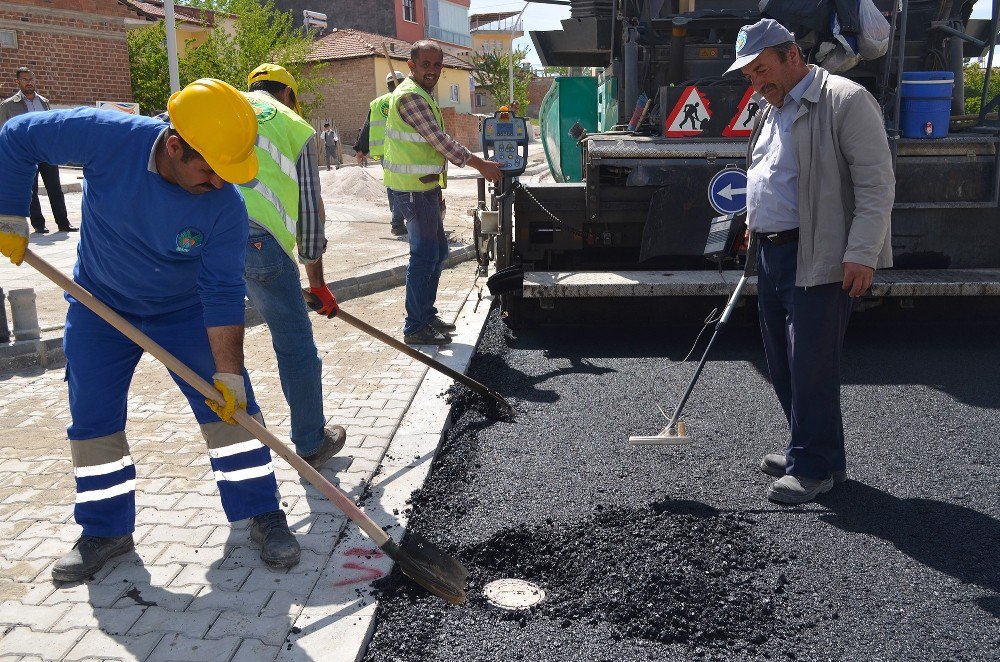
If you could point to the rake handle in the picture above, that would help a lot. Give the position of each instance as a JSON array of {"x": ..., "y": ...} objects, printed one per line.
[
  {"x": 339, "y": 499},
  {"x": 313, "y": 302}
]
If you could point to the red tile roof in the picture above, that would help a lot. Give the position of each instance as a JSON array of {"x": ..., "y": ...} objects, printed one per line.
[
  {"x": 153, "y": 9},
  {"x": 347, "y": 44}
]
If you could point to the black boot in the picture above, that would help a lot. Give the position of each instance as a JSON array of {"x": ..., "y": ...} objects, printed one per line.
[
  {"x": 89, "y": 555},
  {"x": 278, "y": 547}
]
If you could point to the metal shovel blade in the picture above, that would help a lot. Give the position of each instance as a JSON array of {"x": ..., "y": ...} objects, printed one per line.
[
  {"x": 424, "y": 563},
  {"x": 674, "y": 435}
]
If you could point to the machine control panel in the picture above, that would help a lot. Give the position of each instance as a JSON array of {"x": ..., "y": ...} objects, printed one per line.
[{"x": 505, "y": 140}]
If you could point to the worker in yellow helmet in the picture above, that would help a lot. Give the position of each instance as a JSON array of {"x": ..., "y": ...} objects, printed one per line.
[
  {"x": 287, "y": 228},
  {"x": 162, "y": 242}
]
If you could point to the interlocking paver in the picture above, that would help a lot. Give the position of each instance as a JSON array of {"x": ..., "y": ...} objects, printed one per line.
[
  {"x": 195, "y": 587},
  {"x": 34, "y": 616}
]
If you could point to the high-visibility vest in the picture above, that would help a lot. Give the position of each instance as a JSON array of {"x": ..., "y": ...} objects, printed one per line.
[
  {"x": 378, "y": 111},
  {"x": 272, "y": 198},
  {"x": 410, "y": 163}
]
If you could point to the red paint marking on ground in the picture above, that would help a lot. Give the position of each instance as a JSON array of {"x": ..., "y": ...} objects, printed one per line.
[
  {"x": 368, "y": 574},
  {"x": 366, "y": 552}
]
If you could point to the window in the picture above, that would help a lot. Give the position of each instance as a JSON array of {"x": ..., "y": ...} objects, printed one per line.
[
  {"x": 454, "y": 93},
  {"x": 409, "y": 12},
  {"x": 8, "y": 39},
  {"x": 447, "y": 21},
  {"x": 480, "y": 99}
]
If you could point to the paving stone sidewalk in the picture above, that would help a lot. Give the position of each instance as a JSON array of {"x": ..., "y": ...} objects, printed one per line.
[{"x": 194, "y": 589}]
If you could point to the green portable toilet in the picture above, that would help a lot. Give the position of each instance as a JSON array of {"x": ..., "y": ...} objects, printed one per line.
[{"x": 571, "y": 99}]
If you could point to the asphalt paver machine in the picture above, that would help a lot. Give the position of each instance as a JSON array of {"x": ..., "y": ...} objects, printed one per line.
[{"x": 663, "y": 155}]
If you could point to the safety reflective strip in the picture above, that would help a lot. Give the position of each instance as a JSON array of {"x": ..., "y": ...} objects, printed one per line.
[
  {"x": 269, "y": 195},
  {"x": 235, "y": 449},
  {"x": 102, "y": 469},
  {"x": 244, "y": 474},
  {"x": 377, "y": 123},
  {"x": 407, "y": 136},
  {"x": 404, "y": 169},
  {"x": 285, "y": 163},
  {"x": 375, "y": 143},
  {"x": 107, "y": 492}
]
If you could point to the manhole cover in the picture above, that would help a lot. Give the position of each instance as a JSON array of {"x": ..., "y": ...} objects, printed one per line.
[{"x": 513, "y": 594}]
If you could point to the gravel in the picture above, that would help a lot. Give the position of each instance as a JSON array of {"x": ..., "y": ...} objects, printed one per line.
[{"x": 674, "y": 553}]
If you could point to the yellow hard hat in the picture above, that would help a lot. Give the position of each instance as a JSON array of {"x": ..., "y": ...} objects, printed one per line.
[
  {"x": 278, "y": 74},
  {"x": 219, "y": 123}
]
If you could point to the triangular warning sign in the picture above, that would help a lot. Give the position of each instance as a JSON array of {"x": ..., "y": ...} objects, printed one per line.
[
  {"x": 690, "y": 116},
  {"x": 742, "y": 123}
]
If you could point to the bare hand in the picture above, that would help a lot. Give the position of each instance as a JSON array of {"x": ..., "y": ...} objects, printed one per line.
[
  {"x": 488, "y": 169},
  {"x": 857, "y": 279}
]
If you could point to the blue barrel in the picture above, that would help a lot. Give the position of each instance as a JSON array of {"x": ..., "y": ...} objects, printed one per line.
[{"x": 925, "y": 103}]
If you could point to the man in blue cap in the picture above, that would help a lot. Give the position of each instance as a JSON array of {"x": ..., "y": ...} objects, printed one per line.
[{"x": 819, "y": 195}]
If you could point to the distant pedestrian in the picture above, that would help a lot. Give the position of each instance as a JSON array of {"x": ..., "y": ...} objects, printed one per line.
[
  {"x": 27, "y": 100},
  {"x": 830, "y": 130},
  {"x": 331, "y": 145}
]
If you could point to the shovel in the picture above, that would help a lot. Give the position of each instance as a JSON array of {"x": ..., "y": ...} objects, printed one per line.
[
  {"x": 421, "y": 561},
  {"x": 314, "y": 303}
]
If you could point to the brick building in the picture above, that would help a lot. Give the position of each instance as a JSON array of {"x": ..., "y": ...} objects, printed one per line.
[
  {"x": 75, "y": 47},
  {"x": 354, "y": 73}
]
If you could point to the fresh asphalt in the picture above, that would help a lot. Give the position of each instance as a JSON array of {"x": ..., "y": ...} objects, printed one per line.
[{"x": 674, "y": 552}]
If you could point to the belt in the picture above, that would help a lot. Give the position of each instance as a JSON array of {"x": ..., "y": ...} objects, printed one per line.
[{"x": 779, "y": 238}]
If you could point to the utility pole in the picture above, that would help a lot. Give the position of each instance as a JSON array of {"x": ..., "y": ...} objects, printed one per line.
[
  {"x": 171, "y": 28},
  {"x": 510, "y": 54}
]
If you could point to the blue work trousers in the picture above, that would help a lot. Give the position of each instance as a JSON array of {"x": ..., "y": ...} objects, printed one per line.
[
  {"x": 398, "y": 222},
  {"x": 100, "y": 363},
  {"x": 803, "y": 330},
  {"x": 274, "y": 288},
  {"x": 428, "y": 253}
]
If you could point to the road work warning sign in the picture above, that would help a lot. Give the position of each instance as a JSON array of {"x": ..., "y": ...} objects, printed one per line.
[
  {"x": 690, "y": 116},
  {"x": 742, "y": 123}
]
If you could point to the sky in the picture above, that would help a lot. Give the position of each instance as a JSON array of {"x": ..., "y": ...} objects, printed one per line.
[
  {"x": 535, "y": 17},
  {"x": 547, "y": 17}
]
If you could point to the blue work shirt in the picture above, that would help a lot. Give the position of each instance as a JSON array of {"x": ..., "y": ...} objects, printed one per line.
[
  {"x": 147, "y": 247},
  {"x": 773, "y": 175}
]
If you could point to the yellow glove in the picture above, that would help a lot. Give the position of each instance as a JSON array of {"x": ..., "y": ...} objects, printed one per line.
[
  {"x": 233, "y": 391},
  {"x": 13, "y": 237}
]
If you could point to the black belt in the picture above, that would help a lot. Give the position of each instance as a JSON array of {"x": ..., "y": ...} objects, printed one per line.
[{"x": 779, "y": 238}]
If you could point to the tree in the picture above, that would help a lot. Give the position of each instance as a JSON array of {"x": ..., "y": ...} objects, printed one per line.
[
  {"x": 974, "y": 77},
  {"x": 492, "y": 72},
  {"x": 259, "y": 34}
]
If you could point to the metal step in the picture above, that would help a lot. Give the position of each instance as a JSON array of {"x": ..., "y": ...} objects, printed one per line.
[{"x": 889, "y": 283}]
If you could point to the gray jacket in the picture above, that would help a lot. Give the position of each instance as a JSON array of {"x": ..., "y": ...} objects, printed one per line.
[
  {"x": 15, "y": 105},
  {"x": 846, "y": 183}
]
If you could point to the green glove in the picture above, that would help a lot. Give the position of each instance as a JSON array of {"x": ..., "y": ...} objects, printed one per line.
[
  {"x": 233, "y": 392},
  {"x": 13, "y": 237}
]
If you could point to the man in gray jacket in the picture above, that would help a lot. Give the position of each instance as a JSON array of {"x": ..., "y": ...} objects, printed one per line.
[
  {"x": 819, "y": 195},
  {"x": 27, "y": 100}
]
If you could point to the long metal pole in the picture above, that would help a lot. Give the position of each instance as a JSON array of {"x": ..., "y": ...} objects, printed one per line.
[
  {"x": 510, "y": 55},
  {"x": 171, "y": 28}
]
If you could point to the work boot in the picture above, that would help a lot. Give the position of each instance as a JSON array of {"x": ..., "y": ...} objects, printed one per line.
[
  {"x": 89, "y": 555},
  {"x": 774, "y": 464},
  {"x": 68, "y": 228},
  {"x": 426, "y": 336},
  {"x": 399, "y": 231},
  {"x": 333, "y": 442},
  {"x": 797, "y": 489},
  {"x": 278, "y": 547},
  {"x": 440, "y": 325}
]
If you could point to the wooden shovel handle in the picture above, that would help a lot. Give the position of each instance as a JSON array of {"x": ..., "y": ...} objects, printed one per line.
[{"x": 339, "y": 499}]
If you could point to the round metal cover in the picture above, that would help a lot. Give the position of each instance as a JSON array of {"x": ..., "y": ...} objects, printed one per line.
[{"x": 511, "y": 593}]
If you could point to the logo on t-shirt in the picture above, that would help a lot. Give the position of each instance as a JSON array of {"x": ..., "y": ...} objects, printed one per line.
[{"x": 189, "y": 239}]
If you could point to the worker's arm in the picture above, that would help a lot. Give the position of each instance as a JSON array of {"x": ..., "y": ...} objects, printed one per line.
[
  {"x": 311, "y": 231},
  {"x": 417, "y": 113},
  {"x": 227, "y": 348},
  {"x": 361, "y": 146}
]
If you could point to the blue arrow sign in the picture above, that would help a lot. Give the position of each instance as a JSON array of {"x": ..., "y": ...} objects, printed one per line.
[{"x": 727, "y": 192}]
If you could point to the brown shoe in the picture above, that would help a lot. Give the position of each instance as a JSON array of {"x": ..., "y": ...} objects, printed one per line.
[{"x": 334, "y": 438}]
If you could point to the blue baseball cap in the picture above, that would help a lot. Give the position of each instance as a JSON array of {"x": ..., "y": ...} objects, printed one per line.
[{"x": 753, "y": 39}]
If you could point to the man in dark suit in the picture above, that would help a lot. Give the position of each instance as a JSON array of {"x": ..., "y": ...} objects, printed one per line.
[{"x": 27, "y": 100}]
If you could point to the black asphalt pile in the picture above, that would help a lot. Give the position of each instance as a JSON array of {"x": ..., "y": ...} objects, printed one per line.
[
  {"x": 647, "y": 574},
  {"x": 463, "y": 399},
  {"x": 674, "y": 553}
]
